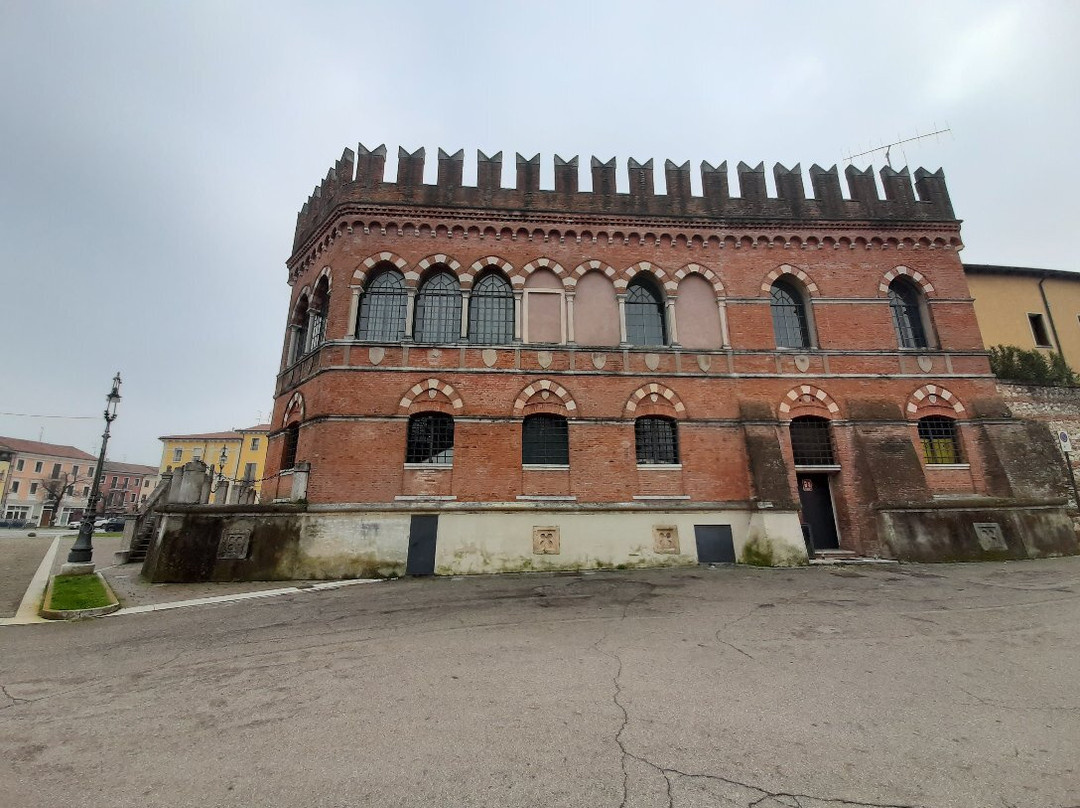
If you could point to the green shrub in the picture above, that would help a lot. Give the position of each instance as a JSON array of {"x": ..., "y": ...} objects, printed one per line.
[{"x": 1045, "y": 369}]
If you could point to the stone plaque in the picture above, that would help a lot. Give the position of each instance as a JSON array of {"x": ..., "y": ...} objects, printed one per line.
[
  {"x": 543, "y": 358},
  {"x": 652, "y": 361},
  {"x": 546, "y": 540},
  {"x": 489, "y": 356},
  {"x": 926, "y": 363},
  {"x": 990, "y": 536},
  {"x": 802, "y": 362},
  {"x": 665, "y": 539},
  {"x": 704, "y": 361},
  {"x": 599, "y": 360},
  {"x": 234, "y": 543},
  {"x": 376, "y": 355}
]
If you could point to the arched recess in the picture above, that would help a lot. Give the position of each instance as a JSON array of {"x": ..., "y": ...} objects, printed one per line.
[
  {"x": 547, "y": 396},
  {"x": 431, "y": 394},
  {"x": 933, "y": 399},
  {"x": 319, "y": 311},
  {"x": 484, "y": 265},
  {"x": 806, "y": 399},
  {"x": 299, "y": 326},
  {"x": 656, "y": 273},
  {"x": 795, "y": 272},
  {"x": 655, "y": 399},
  {"x": 901, "y": 271},
  {"x": 596, "y": 309},
  {"x": 699, "y": 312},
  {"x": 438, "y": 261}
]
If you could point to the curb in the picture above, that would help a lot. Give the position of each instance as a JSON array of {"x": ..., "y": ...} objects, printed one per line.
[{"x": 79, "y": 614}]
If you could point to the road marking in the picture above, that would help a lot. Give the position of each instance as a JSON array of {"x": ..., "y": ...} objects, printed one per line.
[{"x": 31, "y": 601}]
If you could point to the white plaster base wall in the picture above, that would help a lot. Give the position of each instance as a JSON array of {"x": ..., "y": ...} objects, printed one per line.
[{"x": 339, "y": 540}]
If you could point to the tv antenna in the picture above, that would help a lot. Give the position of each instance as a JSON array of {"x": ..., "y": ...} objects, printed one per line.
[{"x": 887, "y": 147}]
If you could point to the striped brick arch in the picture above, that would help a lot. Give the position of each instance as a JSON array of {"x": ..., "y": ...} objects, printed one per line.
[
  {"x": 492, "y": 261},
  {"x": 361, "y": 272},
  {"x": 916, "y": 276},
  {"x": 933, "y": 396},
  {"x": 652, "y": 394},
  {"x": 548, "y": 393},
  {"x": 645, "y": 266},
  {"x": 423, "y": 395},
  {"x": 806, "y": 395},
  {"x": 787, "y": 269},
  {"x": 518, "y": 279},
  {"x": 590, "y": 266},
  {"x": 705, "y": 272},
  {"x": 411, "y": 278},
  {"x": 295, "y": 406}
]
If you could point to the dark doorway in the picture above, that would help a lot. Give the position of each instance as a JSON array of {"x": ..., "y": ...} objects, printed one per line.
[
  {"x": 422, "y": 532},
  {"x": 817, "y": 510},
  {"x": 714, "y": 544}
]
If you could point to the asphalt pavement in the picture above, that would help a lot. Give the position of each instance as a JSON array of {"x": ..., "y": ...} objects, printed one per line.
[{"x": 909, "y": 685}]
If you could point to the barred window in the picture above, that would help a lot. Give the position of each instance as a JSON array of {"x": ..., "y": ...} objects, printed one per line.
[
  {"x": 382, "y": 309},
  {"x": 940, "y": 443},
  {"x": 811, "y": 441},
  {"x": 288, "y": 446},
  {"x": 438, "y": 310},
  {"x": 905, "y": 303},
  {"x": 789, "y": 316},
  {"x": 545, "y": 440},
  {"x": 430, "y": 439},
  {"x": 300, "y": 326},
  {"x": 320, "y": 306},
  {"x": 491, "y": 311},
  {"x": 656, "y": 439},
  {"x": 644, "y": 314}
]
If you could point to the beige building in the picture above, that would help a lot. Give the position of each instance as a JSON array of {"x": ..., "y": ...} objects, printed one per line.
[
  {"x": 45, "y": 483},
  {"x": 245, "y": 452},
  {"x": 1029, "y": 308}
]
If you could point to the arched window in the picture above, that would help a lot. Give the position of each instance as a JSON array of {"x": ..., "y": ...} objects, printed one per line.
[
  {"x": 656, "y": 439},
  {"x": 906, "y": 304},
  {"x": 438, "y": 310},
  {"x": 491, "y": 311},
  {"x": 382, "y": 309},
  {"x": 811, "y": 441},
  {"x": 320, "y": 306},
  {"x": 300, "y": 329},
  {"x": 430, "y": 439},
  {"x": 790, "y": 324},
  {"x": 288, "y": 446},
  {"x": 545, "y": 440},
  {"x": 644, "y": 313},
  {"x": 940, "y": 443}
]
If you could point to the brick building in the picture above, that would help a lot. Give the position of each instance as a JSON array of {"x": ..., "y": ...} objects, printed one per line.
[{"x": 486, "y": 378}]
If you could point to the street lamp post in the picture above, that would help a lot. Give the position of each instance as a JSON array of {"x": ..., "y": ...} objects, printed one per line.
[{"x": 83, "y": 549}]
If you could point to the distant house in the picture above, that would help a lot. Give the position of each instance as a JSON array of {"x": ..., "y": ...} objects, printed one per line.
[
  {"x": 45, "y": 483},
  {"x": 1028, "y": 307},
  {"x": 245, "y": 452},
  {"x": 124, "y": 486}
]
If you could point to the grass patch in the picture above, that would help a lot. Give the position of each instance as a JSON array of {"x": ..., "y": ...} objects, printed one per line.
[
  {"x": 78, "y": 592},
  {"x": 98, "y": 535}
]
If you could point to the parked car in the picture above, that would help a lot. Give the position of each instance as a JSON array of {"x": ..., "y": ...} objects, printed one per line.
[{"x": 113, "y": 525}]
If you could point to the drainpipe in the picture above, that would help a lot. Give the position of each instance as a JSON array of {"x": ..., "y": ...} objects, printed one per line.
[{"x": 1050, "y": 316}]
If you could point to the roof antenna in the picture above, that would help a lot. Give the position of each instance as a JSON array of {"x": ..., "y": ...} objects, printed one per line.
[{"x": 887, "y": 147}]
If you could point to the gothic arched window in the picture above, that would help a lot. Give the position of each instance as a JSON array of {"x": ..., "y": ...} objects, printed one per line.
[
  {"x": 906, "y": 304},
  {"x": 644, "y": 313},
  {"x": 790, "y": 325},
  {"x": 382, "y": 309},
  {"x": 491, "y": 311},
  {"x": 438, "y": 310}
]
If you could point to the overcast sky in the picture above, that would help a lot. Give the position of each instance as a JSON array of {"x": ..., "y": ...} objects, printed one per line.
[{"x": 155, "y": 154}]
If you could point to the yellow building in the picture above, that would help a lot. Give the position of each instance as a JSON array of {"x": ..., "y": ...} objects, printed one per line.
[
  {"x": 245, "y": 452},
  {"x": 1029, "y": 308}
]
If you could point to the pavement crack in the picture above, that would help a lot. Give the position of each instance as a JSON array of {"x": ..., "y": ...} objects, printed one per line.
[{"x": 15, "y": 700}]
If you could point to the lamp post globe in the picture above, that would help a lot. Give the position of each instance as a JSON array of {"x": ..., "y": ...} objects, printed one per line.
[{"x": 83, "y": 550}]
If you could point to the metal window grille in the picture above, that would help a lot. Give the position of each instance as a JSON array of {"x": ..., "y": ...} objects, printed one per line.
[
  {"x": 438, "y": 310},
  {"x": 656, "y": 440},
  {"x": 382, "y": 309},
  {"x": 300, "y": 321},
  {"x": 789, "y": 317},
  {"x": 811, "y": 442},
  {"x": 491, "y": 311},
  {"x": 545, "y": 440},
  {"x": 907, "y": 317},
  {"x": 288, "y": 447},
  {"x": 430, "y": 439},
  {"x": 939, "y": 441},
  {"x": 644, "y": 316}
]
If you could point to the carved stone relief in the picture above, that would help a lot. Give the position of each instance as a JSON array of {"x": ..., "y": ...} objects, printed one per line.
[
  {"x": 546, "y": 540},
  {"x": 665, "y": 539}
]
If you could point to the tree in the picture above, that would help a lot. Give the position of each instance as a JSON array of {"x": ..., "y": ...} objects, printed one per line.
[
  {"x": 1010, "y": 363},
  {"x": 56, "y": 488}
]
